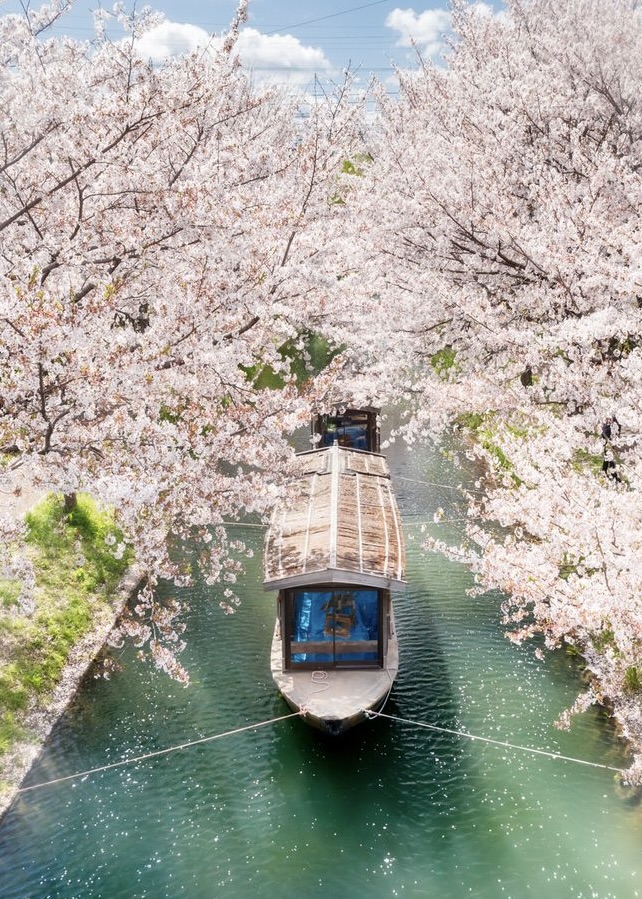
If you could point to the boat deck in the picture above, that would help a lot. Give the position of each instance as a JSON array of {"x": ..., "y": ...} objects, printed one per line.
[{"x": 334, "y": 700}]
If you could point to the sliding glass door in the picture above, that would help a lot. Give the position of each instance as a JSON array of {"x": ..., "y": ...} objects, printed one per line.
[{"x": 333, "y": 627}]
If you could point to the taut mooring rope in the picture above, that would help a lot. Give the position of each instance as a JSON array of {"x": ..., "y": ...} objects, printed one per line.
[
  {"x": 502, "y": 743},
  {"x": 369, "y": 714},
  {"x": 151, "y": 755}
]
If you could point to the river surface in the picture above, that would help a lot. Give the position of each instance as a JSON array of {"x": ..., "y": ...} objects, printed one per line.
[{"x": 279, "y": 812}]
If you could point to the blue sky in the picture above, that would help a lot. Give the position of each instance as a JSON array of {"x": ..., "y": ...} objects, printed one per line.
[{"x": 291, "y": 41}]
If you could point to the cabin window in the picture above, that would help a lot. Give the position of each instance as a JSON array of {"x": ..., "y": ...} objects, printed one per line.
[
  {"x": 334, "y": 627},
  {"x": 356, "y": 429}
]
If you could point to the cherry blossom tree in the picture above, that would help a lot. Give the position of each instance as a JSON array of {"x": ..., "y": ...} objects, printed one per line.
[
  {"x": 499, "y": 246},
  {"x": 167, "y": 238},
  {"x": 171, "y": 237}
]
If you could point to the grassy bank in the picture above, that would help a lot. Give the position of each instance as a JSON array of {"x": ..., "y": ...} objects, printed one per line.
[{"x": 76, "y": 576}]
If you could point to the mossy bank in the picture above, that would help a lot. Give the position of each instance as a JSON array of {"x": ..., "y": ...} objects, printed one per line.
[{"x": 49, "y": 637}]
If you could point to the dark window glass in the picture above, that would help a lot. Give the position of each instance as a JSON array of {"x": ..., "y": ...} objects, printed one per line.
[{"x": 356, "y": 429}]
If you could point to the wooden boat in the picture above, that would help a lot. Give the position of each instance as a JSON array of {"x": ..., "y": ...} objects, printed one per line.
[{"x": 335, "y": 551}]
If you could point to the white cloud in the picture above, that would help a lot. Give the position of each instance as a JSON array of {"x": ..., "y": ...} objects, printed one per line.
[
  {"x": 270, "y": 57},
  {"x": 171, "y": 39},
  {"x": 281, "y": 56},
  {"x": 424, "y": 30},
  {"x": 485, "y": 9}
]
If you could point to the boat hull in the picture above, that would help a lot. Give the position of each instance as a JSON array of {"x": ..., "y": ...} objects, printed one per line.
[{"x": 335, "y": 700}]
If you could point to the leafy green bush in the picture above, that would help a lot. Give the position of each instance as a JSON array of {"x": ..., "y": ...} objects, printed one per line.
[
  {"x": 605, "y": 639},
  {"x": 443, "y": 362}
]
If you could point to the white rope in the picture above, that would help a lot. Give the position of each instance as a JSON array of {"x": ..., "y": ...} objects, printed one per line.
[
  {"x": 159, "y": 752},
  {"x": 369, "y": 714},
  {"x": 503, "y": 744}
]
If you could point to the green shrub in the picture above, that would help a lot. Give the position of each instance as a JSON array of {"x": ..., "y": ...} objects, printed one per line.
[
  {"x": 443, "y": 362},
  {"x": 604, "y": 639},
  {"x": 585, "y": 461}
]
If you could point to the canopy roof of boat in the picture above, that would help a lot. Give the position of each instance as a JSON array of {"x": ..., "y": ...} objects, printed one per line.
[{"x": 338, "y": 524}]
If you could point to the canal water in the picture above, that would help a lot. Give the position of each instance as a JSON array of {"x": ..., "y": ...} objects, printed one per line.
[{"x": 280, "y": 812}]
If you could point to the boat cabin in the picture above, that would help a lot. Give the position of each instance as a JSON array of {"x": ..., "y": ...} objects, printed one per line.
[
  {"x": 354, "y": 428},
  {"x": 334, "y": 550}
]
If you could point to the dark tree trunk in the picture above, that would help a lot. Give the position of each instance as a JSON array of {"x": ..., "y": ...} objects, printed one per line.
[{"x": 70, "y": 502}]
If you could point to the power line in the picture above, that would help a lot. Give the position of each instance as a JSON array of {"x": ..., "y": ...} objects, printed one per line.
[{"x": 334, "y": 15}]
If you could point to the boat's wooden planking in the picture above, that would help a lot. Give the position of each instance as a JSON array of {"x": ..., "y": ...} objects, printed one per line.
[{"x": 338, "y": 523}]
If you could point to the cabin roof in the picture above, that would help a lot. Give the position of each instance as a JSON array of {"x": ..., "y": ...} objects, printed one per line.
[{"x": 338, "y": 523}]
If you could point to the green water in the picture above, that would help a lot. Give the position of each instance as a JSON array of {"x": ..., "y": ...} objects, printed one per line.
[{"x": 392, "y": 810}]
